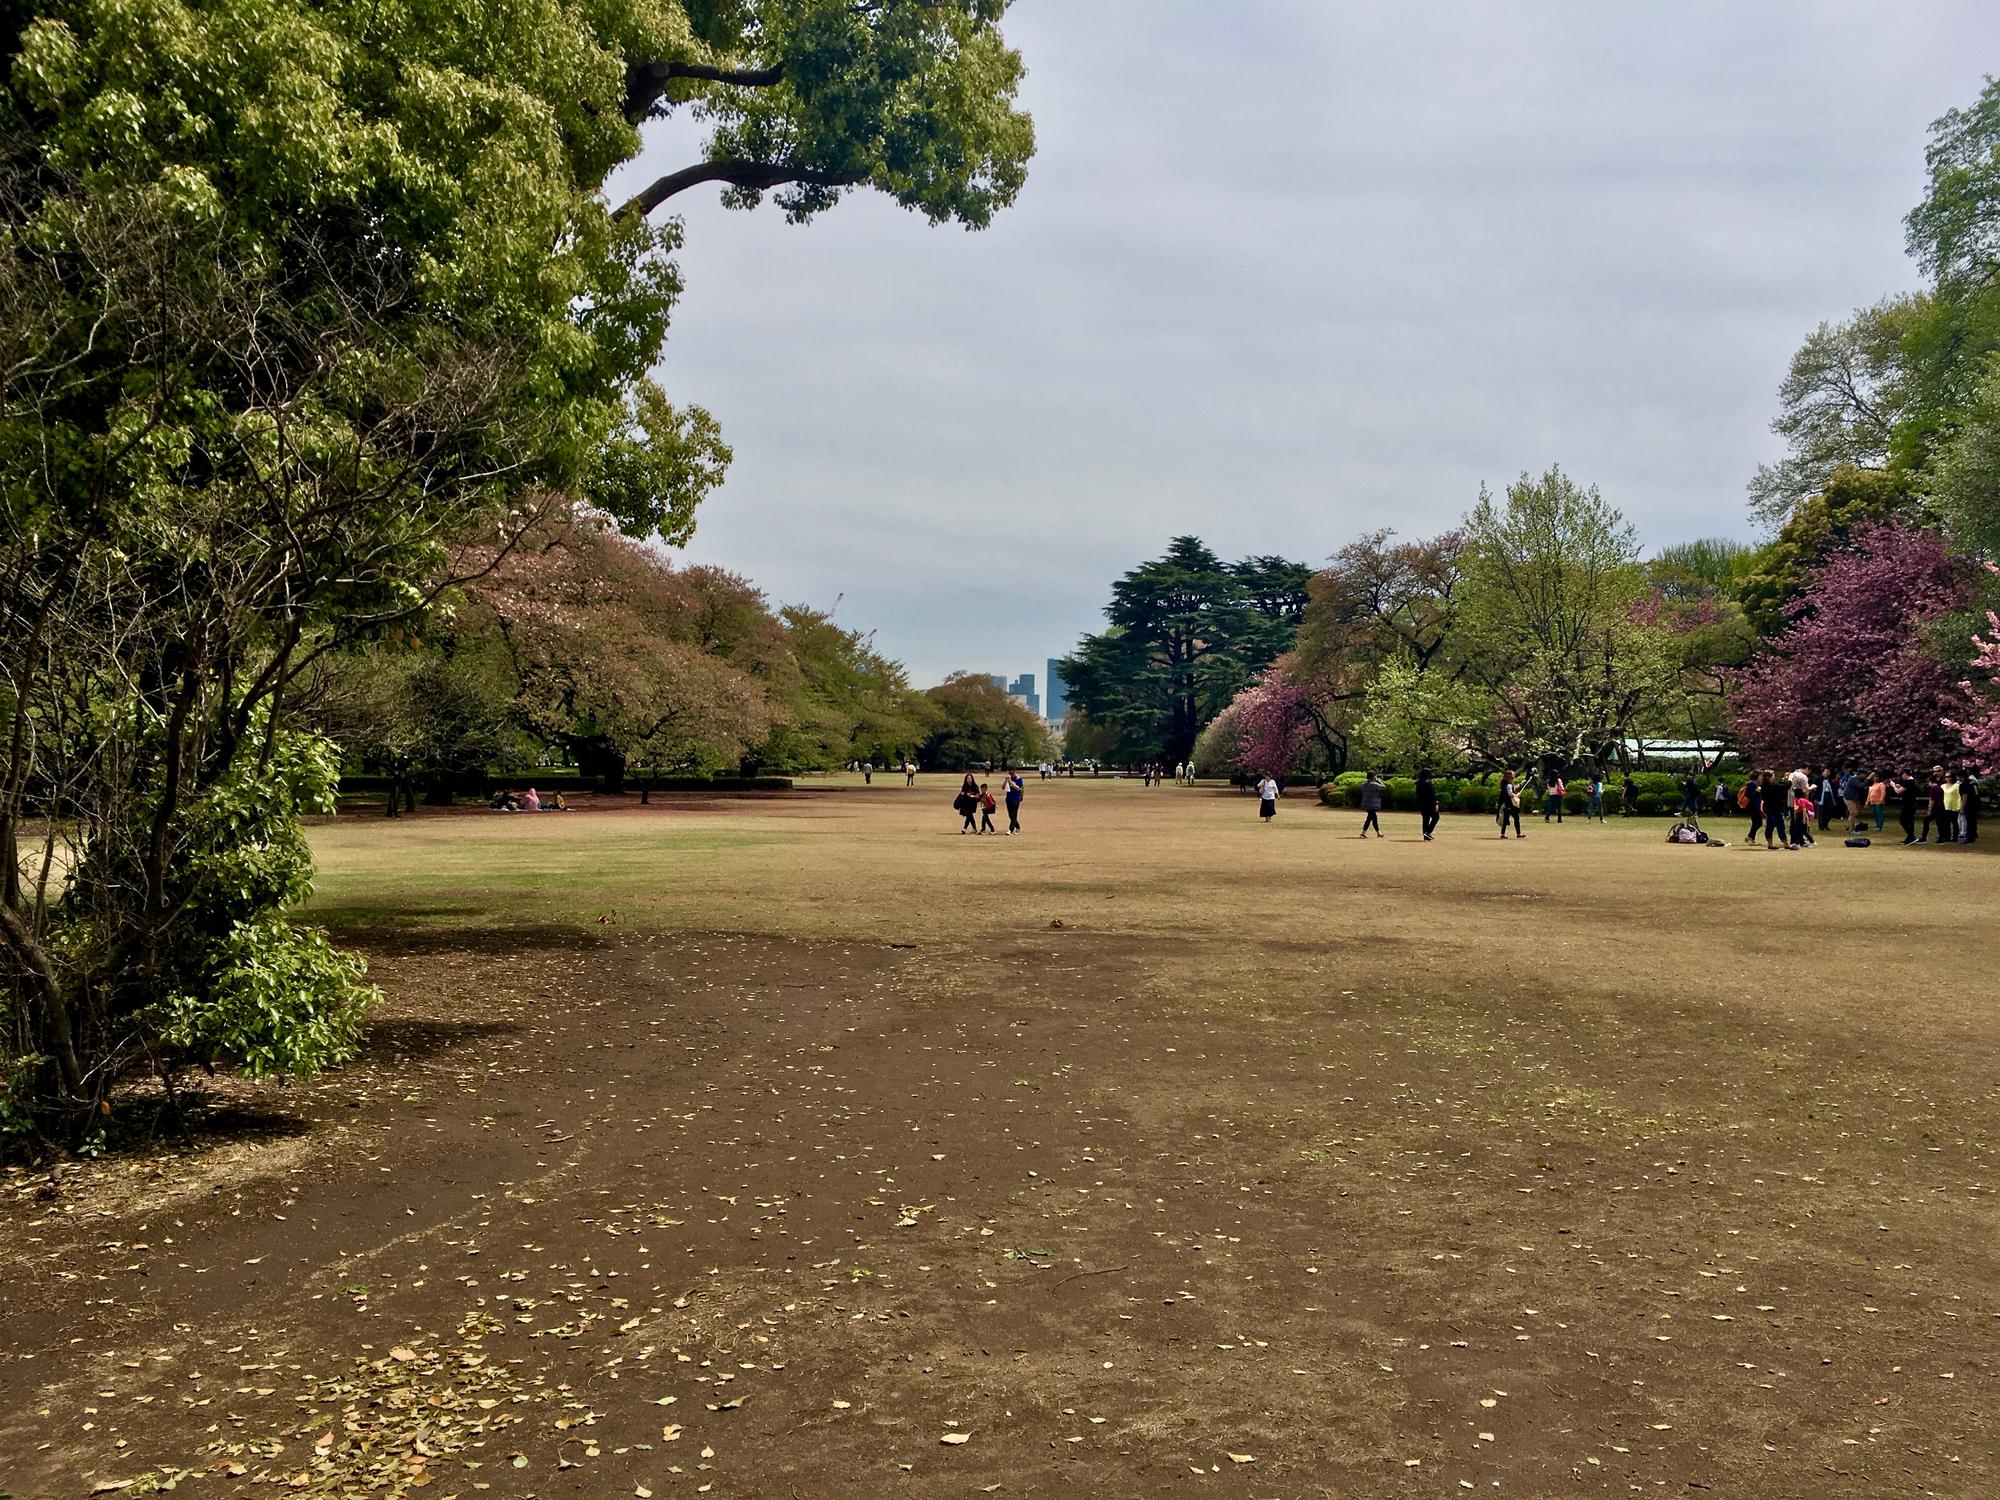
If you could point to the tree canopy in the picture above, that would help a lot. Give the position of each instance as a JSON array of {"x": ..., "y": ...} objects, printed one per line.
[
  {"x": 297, "y": 299},
  {"x": 1188, "y": 631}
]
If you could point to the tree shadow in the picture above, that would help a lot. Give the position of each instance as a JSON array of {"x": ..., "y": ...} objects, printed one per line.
[{"x": 405, "y": 1039}]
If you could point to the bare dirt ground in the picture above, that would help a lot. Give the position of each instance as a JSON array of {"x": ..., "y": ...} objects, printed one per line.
[{"x": 1151, "y": 1153}]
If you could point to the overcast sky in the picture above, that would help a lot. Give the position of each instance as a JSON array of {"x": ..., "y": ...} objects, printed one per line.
[{"x": 1286, "y": 272}]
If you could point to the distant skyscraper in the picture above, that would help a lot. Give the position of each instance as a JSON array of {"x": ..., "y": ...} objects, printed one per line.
[
  {"x": 998, "y": 679},
  {"x": 1058, "y": 692},
  {"x": 1023, "y": 687}
]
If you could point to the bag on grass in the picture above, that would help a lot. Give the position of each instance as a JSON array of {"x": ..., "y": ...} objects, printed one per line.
[{"x": 1857, "y": 843}]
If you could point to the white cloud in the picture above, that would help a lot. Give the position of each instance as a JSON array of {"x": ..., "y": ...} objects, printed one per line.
[{"x": 1285, "y": 273}]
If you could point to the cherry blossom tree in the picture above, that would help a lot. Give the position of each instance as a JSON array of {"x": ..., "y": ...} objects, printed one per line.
[{"x": 1856, "y": 676}]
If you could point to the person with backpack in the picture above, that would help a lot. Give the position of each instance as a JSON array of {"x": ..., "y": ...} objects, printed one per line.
[
  {"x": 1802, "y": 822},
  {"x": 1509, "y": 808},
  {"x": 986, "y": 806},
  {"x": 1371, "y": 804}
]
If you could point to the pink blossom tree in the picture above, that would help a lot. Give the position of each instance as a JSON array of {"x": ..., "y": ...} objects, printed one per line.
[
  {"x": 1981, "y": 732},
  {"x": 1854, "y": 676}
]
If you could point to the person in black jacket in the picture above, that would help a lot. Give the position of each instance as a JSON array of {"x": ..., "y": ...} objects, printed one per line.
[
  {"x": 1427, "y": 802},
  {"x": 1908, "y": 789},
  {"x": 1753, "y": 803}
]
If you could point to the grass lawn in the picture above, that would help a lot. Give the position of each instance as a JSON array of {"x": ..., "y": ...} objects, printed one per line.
[{"x": 1155, "y": 1151}]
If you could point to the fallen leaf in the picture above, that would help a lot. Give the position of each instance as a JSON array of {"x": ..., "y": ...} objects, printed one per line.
[
  {"x": 1242, "y": 1458},
  {"x": 955, "y": 1438}
]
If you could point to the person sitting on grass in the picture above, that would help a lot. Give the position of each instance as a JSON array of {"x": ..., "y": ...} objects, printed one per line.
[
  {"x": 505, "y": 801},
  {"x": 532, "y": 801},
  {"x": 557, "y": 802}
]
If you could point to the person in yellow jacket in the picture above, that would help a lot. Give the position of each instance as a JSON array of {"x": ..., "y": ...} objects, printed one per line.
[{"x": 1954, "y": 811}]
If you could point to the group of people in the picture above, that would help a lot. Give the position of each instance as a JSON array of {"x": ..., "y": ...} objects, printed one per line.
[
  {"x": 1937, "y": 807},
  {"x": 1183, "y": 774},
  {"x": 975, "y": 799},
  {"x": 528, "y": 801},
  {"x": 867, "y": 770}
]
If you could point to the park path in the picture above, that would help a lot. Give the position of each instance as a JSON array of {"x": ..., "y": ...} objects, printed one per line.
[{"x": 625, "y": 1213}]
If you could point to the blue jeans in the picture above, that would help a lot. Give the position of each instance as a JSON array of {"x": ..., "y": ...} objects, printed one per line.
[{"x": 1596, "y": 808}]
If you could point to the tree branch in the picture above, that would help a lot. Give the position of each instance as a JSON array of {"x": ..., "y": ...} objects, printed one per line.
[
  {"x": 756, "y": 176},
  {"x": 646, "y": 83}
]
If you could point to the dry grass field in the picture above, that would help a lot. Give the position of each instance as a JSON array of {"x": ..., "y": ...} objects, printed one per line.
[{"x": 801, "y": 1146}]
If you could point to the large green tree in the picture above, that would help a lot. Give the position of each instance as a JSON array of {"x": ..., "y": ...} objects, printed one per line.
[
  {"x": 1188, "y": 631},
  {"x": 1554, "y": 658},
  {"x": 295, "y": 295}
]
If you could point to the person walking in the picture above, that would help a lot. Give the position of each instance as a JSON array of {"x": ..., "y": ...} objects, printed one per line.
[
  {"x": 1802, "y": 822},
  {"x": 986, "y": 807},
  {"x": 1690, "y": 796},
  {"x": 1721, "y": 798},
  {"x": 1594, "y": 808},
  {"x": 1933, "y": 807},
  {"x": 1753, "y": 803},
  {"x": 1829, "y": 795},
  {"x": 1427, "y": 802},
  {"x": 1267, "y": 799},
  {"x": 1876, "y": 800},
  {"x": 1631, "y": 796},
  {"x": 1907, "y": 789},
  {"x": 1371, "y": 804},
  {"x": 1510, "y": 805},
  {"x": 1777, "y": 811},
  {"x": 1968, "y": 805},
  {"x": 1016, "y": 790},
  {"x": 909, "y": 773},
  {"x": 967, "y": 803},
  {"x": 1554, "y": 805}
]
